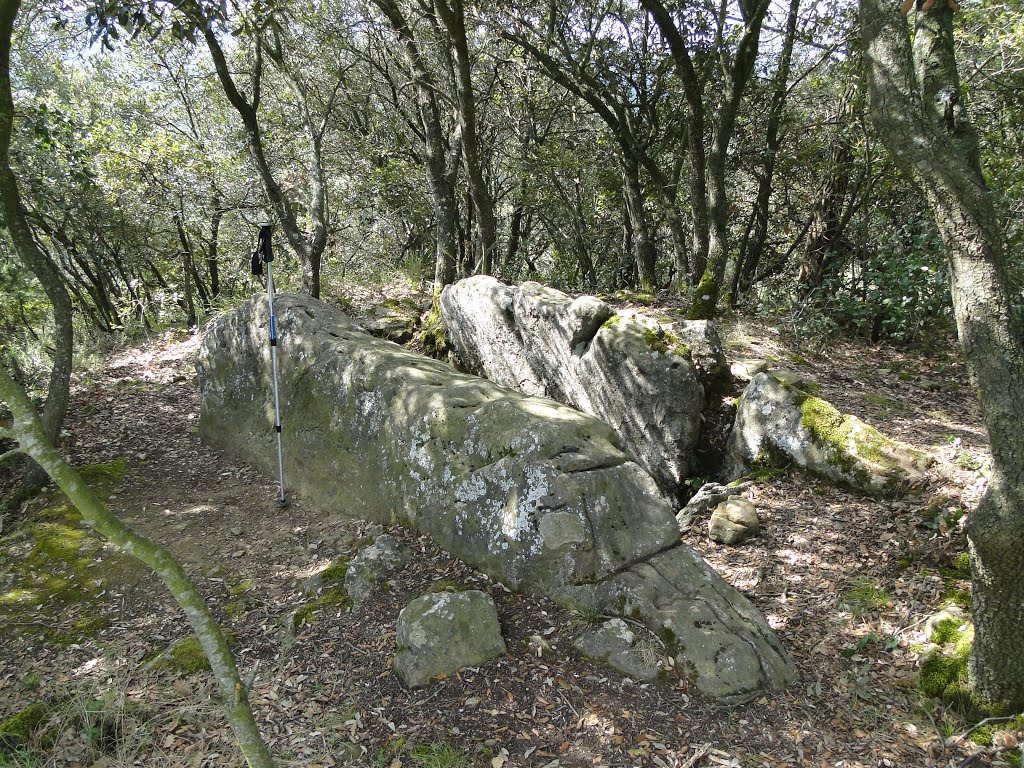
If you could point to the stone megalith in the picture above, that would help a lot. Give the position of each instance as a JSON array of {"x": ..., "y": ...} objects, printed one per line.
[
  {"x": 644, "y": 378},
  {"x": 533, "y": 493},
  {"x": 777, "y": 423}
]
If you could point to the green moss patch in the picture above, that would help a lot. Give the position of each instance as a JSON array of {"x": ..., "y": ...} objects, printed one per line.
[
  {"x": 985, "y": 735},
  {"x": 334, "y": 596},
  {"x": 856, "y": 447},
  {"x": 185, "y": 657},
  {"x": 943, "y": 672},
  {"x": 962, "y": 563},
  {"x": 766, "y": 474},
  {"x": 665, "y": 342},
  {"x": 55, "y": 559},
  {"x": 956, "y": 582},
  {"x": 642, "y": 298},
  {"x": 865, "y": 596},
  {"x": 432, "y": 338},
  {"x": 334, "y": 574},
  {"x": 16, "y": 731},
  {"x": 445, "y": 585}
]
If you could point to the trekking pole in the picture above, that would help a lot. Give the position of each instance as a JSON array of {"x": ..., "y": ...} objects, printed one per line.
[{"x": 265, "y": 253}]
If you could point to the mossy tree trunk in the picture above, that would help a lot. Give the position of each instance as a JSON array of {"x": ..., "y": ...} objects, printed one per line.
[
  {"x": 45, "y": 271},
  {"x": 28, "y": 431},
  {"x": 917, "y": 108}
]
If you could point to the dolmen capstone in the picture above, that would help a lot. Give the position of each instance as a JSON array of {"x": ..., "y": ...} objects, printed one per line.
[
  {"x": 533, "y": 493},
  {"x": 645, "y": 378}
]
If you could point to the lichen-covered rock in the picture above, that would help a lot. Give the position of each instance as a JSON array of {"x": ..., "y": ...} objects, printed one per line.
[
  {"x": 731, "y": 655},
  {"x": 778, "y": 423},
  {"x": 644, "y": 378},
  {"x": 533, "y": 493},
  {"x": 481, "y": 307},
  {"x": 704, "y": 501},
  {"x": 618, "y": 646},
  {"x": 733, "y": 522},
  {"x": 440, "y": 634},
  {"x": 745, "y": 369},
  {"x": 530, "y": 491},
  {"x": 372, "y": 565},
  {"x": 393, "y": 320}
]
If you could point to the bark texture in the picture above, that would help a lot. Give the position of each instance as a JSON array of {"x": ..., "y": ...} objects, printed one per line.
[
  {"x": 709, "y": 197},
  {"x": 17, "y": 226},
  {"x": 916, "y": 105},
  {"x": 440, "y": 170}
]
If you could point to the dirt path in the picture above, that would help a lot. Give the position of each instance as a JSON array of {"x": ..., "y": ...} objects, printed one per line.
[{"x": 326, "y": 696}]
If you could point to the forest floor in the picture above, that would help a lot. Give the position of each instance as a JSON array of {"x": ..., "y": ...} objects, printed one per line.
[{"x": 847, "y": 583}]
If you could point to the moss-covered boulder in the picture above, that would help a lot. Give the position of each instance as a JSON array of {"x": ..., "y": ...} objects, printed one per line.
[
  {"x": 533, "y": 493},
  {"x": 393, "y": 320},
  {"x": 643, "y": 377},
  {"x": 441, "y": 633},
  {"x": 778, "y": 424}
]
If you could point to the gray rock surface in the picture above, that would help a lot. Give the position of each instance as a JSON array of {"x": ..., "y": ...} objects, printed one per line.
[
  {"x": 733, "y": 522},
  {"x": 394, "y": 321},
  {"x": 704, "y": 501},
  {"x": 440, "y": 634},
  {"x": 533, "y": 493},
  {"x": 617, "y": 645},
  {"x": 482, "y": 308},
  {"x": 372, "y": 565},
  {"x": 644, "y": 378},
  {"x": 679, "y": 597},
  {"x": 778, "y": 423},
  {"x": 746, "y": 369}
]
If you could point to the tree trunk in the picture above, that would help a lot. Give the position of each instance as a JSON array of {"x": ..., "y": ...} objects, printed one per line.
[
  {"x": 186, "y": 274},
  {"x": 30, "y": 434},
  {"x": 24, "y": 243},
  {"x": 827, "y": 223},
  {"x": 754, "y": 238},
  {"x": 922, "y": 121},
  {"x": 454, "y": 18},
  {"x": 310, "y": 252},
  {"x": 440, "y": 180},
  {"x": 709, "y": 197},
  {"x": 213, "y": 253},
  {"x": 645, "y": 250}
]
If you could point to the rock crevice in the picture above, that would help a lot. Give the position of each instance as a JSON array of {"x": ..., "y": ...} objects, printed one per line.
[{"x": 646, "y": 379}]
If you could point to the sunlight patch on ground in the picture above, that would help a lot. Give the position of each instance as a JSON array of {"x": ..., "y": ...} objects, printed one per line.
[{"x": 94, "y": 666}]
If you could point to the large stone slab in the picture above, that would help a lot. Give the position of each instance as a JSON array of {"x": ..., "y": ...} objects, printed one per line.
[
  {"x": 533, "y": 493},
  {"x": 644, "y": 378},
  {"x": 778, "y": 423},
  {"x": 731, "y": 654}
]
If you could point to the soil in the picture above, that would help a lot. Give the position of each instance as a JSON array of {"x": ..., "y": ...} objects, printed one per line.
[{"x": 326, "y": 695}]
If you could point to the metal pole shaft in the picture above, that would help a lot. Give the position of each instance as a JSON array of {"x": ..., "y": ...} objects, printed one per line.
[{"x": 273, "y": 373}]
